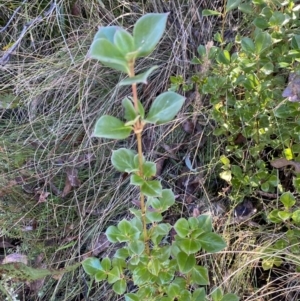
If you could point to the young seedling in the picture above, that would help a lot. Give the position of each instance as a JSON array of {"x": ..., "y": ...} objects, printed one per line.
[{"x": 159, "y": 269}]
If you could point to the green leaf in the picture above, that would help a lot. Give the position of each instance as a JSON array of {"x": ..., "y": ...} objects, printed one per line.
[
  {"x": 262, "y": 42},
  {"x": 136, "y": 180},
  {"x": 205, "y": 223},
  {"x": 217, "y": 294},
  {"x": 91, "y": 266},
  {"x": 127, "y": 229},
  {"x": 113, "y": 275},
  {"x": 122, "y": 253},
  {"x": 151, "y": 188},
  {"x": 296, "y": 216},
  {"x": 165, "y": 107},
  {"x": 278, "y": 19},
  {"x": 225, "y": 161},
  {"x": 137, "y": 247},
  {"x": 230, "y": 297},
  {"x": 273, "y": 216},
  {"x": 107, "y": 33},
  {"x": 100, "y": 275},
  {"x": 124, "y": 41},
  {"x": 268, "y": 264},
  {"x": 199, "y": 294},
  {"x": 153, "y": 217},
  {"x": 246, "y": 8},
  {"x": 209, "y": 12},
  {"x": 212, "y": 242},
  {"x": 248, "y": 45},
  {"x": 132, "y": 297},
  {"x": 193, "y": 223},
  {"x": 167, "y": 199},
  {"x": 226, "y": 175},
  {"x": 147, "y": 32},
  {"x": 109, "y": 55},
  {"x": 130, "y": 113},
  {"x": 106, "y": 264},
  {"x": 288, "y": 200},
  {"x": 182, "y": 227},
  {"x": 123, "y": 160},
  {"x": 141, "y": 78},
  {"x": 113, "y": 233},
  {"x": 224, "y": 57},
  {"x": 141, "y": 275},
  {"x": 111, "y": 127},
  {"x": 200, "y": 275},
  {"x": 149, "y": 169},
  {"x": 154, "y": 266},
  {"x": 185, "y": 262},
  {"x": 295, "y": 43},
  {"x": 283, "y": 215},
  {"x": 173, "y": 290},
  {"x": 232, "y": 4},
  {"x": 120, "y": 286},
  {"x": 141, "y": 109},
  {"x": 268, "y": 68},
  {"x": 261, "y": 22},
  {"x": 189, "y": 245}
]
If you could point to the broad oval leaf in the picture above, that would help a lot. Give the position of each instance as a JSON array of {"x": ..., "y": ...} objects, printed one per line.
[
  {"x": 124, "y": 41},
  {"x": 287, "y": 199},
  {"x": 106, "y": 263},
  {"x": 132, "y": 297},
  {"x": 137, "y": 247},
  {"x": 200, "y": 275},
  {"x": 262, "y": 41},
  {"x": 111, "y": 127},
  {"x": 113, "y": 234},
  {"x": 101, "y": 275},
  {"x": 123, "y": 160},
  {"x": 149, "y": 169},
  {"x": 92, "y": 266},
  {"x": 151, "y": 188},
  {"x": 107, "y": 33},
  {"x": 109, "y": 55},
  {"x": 212, "y": 242},
  {"x": 130, "y": 112},
  {"x": 165, "y": 107},
  {"x": 113, "y": 275},
  {"x": 147, "y": 32},
  {"x": 189, "y": 245},
  {"x": 182, "y": 227},
  {"x": 296, "y": 217},
  {"x": 185, "y": 262},
  {"x": 167, "y": 199},
  {"x": 120, "y": 286},
  {"x": 136, "y": 180},
  {"x": 248, "y": 45},
  {"x": 205, "y": 223},
  {"x": 141, "y": 78}
]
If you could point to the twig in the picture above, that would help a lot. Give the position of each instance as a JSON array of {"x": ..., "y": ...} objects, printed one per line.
[{"x": 5, "y": 58}]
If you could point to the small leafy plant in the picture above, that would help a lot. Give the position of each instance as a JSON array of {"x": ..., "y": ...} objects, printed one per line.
[
  {"x": 159, "y": 268},
  {"x": 289, "y": 216},
  {"x": 246, "y": 82}
]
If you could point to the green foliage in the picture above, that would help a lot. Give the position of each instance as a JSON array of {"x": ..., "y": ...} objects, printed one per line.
[
  {"x": 245, "y": 84},
  {"x": 161, "y": 269}
]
